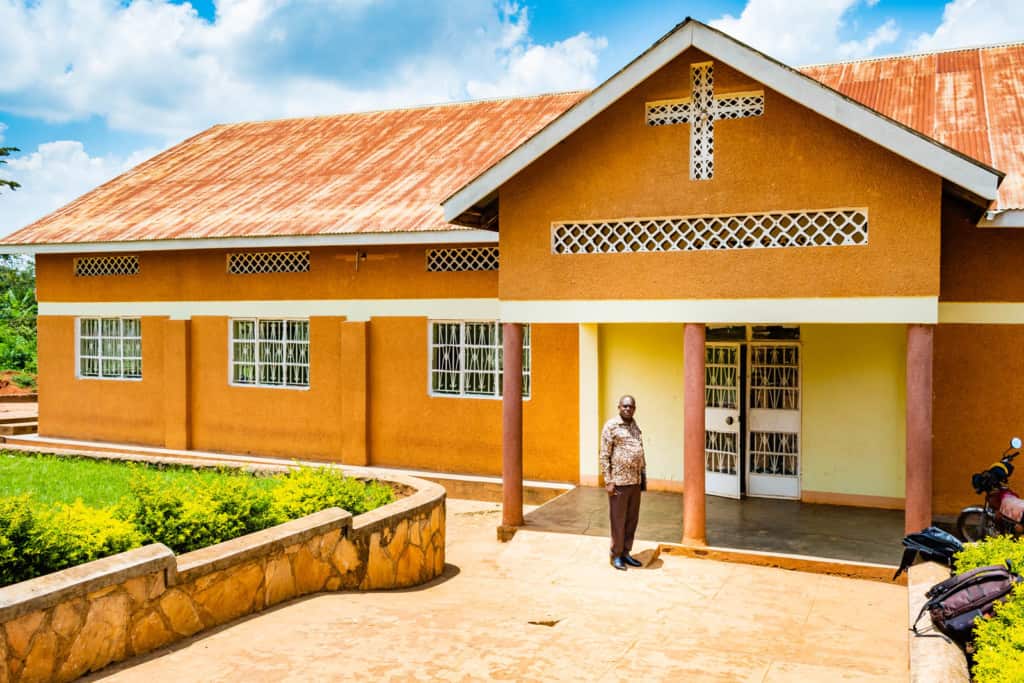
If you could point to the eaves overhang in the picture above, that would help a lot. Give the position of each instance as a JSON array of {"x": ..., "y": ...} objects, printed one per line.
[{"x": 365, "y": 239}]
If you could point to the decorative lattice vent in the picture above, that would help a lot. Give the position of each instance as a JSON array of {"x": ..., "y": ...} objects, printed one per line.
[
  {"x": 255, "y": 262},
  {"x": 93, "y": 266},
  {"x": 458, "y": 260},
  {"x": 833, "y": 228}
]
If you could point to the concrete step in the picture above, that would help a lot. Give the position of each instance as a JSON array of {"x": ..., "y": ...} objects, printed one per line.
[
  {"x": 18, "y": 417},
  {"x": 19, "y": 428}
]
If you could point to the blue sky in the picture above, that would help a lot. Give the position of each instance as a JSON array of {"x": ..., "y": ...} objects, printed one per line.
[{"x": 91, "y": 88}]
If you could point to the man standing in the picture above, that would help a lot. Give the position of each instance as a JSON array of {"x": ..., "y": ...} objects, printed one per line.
[{"x": 623, "y": 466}]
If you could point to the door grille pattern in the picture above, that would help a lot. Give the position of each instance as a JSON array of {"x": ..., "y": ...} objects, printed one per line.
[
  {"x": 825, "y": 228},
  {"x": 460, "y": 260},
  {"x": 774, "y": 453},
  {"x": 775, "y": 377},
  {"x": 721, "y": 376},
  {"x": 721, "y": 452}
]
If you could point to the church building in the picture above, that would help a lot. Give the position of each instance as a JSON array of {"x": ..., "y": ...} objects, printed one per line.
[{"x": 810, "y": 279}]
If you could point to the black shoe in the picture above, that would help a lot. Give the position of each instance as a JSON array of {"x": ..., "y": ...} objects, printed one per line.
[
  {"x": 630, "y": 560},
  {"x": 618, "y": 563}
]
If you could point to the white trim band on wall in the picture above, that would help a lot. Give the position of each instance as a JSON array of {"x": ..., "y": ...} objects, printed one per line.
[
  {"x": 368, "y": 239},
  {"x": 922, "y": 309},
  {"x": 353, "y": 309},
  {"x": 1011, "y": 313}
]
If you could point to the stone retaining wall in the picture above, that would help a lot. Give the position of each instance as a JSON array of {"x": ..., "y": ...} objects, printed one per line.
[{"x": 66, "y": 624}]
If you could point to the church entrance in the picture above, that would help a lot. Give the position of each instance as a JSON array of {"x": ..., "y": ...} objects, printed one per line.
[{"x": 753, "y": 411}]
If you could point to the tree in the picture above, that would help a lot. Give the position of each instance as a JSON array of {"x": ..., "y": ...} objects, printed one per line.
[
  {"x": 6, "y": 151},
  {"x": 17, "y": 314}
]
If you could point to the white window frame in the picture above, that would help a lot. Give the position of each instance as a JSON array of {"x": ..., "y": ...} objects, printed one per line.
[
  {"x": 256, "y": 363},
  {"x": 100, "y": 357},
  {"x": 527, "y": 360}
]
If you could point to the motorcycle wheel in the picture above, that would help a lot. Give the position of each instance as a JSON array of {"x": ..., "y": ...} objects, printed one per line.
[{"x": 972, "y": 524}]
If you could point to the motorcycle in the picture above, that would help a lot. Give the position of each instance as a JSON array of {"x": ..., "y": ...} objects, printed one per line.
[{"x": 977, "y": 522}]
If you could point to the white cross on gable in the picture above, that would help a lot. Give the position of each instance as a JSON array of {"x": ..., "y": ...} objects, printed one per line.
[{"x": 701, "y": 110}]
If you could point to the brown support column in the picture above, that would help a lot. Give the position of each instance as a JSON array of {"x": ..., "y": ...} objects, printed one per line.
[
  {"x": 693, "y": 436},
  {"x": 177, "y": 383},
  {"x": 511, "y": 431},
  {"x": 920, "y": 347},
  {"x": 354, "y": 395}
]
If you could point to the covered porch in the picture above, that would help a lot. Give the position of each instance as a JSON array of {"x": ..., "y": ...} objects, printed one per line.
[{"x": 848, "y": 461}]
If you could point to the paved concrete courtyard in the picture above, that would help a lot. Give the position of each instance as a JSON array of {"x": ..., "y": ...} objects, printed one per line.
[{"x": 547, "y": 606}]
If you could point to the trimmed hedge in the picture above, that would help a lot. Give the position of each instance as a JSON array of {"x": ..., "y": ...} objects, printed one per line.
[
  {"x": 999, "y": 641},
  {"x": 37, "y": 540}
]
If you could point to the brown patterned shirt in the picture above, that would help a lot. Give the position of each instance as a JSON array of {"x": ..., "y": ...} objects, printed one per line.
[{"x": 622, "y": 452}]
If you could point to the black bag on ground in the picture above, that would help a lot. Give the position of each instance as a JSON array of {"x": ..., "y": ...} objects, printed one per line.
[
  {"x": 955, "y": 603},
  {"x": 933, "y": 544}
]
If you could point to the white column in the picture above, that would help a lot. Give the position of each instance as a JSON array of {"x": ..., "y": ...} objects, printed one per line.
[{"x": 589, "y": 388}]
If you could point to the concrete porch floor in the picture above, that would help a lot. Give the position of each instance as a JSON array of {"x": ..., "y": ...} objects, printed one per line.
[{"x": 779, "y": 526}]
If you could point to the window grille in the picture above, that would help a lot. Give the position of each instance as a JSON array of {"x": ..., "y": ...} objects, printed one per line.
[
  {"x": 92, "y": 266},
  {"x": 459, "y": 260},
  {"x": 270, "y": 353},
  {"x": 466, "y": 359},
  {"x": 256, "y": 262},
  {"x": 831, "y": 228},
  {"x": 110, "y": 348}
]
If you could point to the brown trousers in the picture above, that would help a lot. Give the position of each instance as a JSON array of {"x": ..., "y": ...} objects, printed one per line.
[{"x": 624, "y": 513}]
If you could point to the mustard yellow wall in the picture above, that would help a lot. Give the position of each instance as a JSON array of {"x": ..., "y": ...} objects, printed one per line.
[
  {"x": 302, "y": 423},
  {"x": 854, "y": 409},
  {"x": 647, "y": 362},
  {"x": 788, "y": 159},
  {"x": 201, "y": 275},
  {"x": 979, "y": 264},
  {"x": 411, "y": 429},
  {"x": 103, "y": 409}
]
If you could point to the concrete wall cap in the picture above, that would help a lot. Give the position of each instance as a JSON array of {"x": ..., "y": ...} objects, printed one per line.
[
  {"x": 260, "y": 543},
  {"x": 48, "y": 590}
]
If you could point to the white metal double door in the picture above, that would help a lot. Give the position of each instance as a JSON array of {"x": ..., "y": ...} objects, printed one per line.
[{"x": 766, "y": 419}]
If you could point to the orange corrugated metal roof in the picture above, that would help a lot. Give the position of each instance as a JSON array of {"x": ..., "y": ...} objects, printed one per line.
[
  {"x": 971, "y": 100},
  {"x": 381, "y": 171},
  {"x": 388, "y": 171}
]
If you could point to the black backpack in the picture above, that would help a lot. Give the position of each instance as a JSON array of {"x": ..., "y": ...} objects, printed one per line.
[
  {"x": 955, "y": 604},
  {"x": 933, "y": 544}
]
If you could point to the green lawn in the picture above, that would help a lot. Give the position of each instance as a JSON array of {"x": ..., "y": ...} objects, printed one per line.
[{"x": 99, "y": 483}]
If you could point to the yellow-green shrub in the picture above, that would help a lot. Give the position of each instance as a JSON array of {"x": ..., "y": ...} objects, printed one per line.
[
  {"x": 36, "y": 542},
  {"x": 209, "y": 511},
  {"x": 999, "y": 643},
  {"x": 993, "y": 550},
  {"x": 311, "y": 489},
  {"x": 69, "y": 535},
  {"x": 17, "y": 527}
]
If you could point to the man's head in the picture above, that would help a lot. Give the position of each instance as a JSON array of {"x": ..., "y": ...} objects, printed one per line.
[{"x": 627, "y": 406}]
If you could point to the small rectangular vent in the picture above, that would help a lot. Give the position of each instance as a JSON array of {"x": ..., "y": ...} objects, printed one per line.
[
  {"x": 463, "y": 259},
  {"x": 93, "y": 266},
  {"x": 829, "y": 228},
  {"x": 256, "y": 262}
]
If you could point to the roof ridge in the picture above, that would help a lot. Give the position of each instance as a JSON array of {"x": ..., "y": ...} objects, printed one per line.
[
  {"x": 908, "y": 55},
  {"x": 413, "y": 107}
]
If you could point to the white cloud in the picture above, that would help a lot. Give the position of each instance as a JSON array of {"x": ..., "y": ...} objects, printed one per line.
[
  {"x": 803, "y": 32},
  {"x": 968, "y": 23},
  {"x": 52, "y": 176},
  {"x": 159, "y": 68},
  {"x": 885, "y": 34}
]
